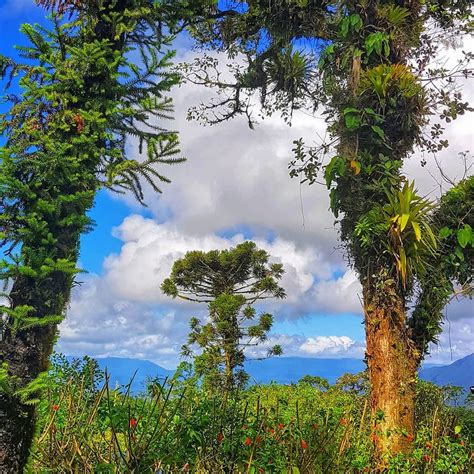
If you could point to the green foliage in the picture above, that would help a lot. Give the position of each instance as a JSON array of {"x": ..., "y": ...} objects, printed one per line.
[
  {"x": 371, "y": 59},
  {"x": 230, "y": 282},
  {"x": 93, "y": 83},
  {"x": 85, "y": 426}
]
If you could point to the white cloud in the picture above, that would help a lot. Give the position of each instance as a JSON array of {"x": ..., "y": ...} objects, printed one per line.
[
  {"x": 238, "y": 178},
  {"x": 327, "y": 344}
]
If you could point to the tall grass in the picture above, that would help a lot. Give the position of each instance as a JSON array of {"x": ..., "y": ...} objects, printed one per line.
[{"x": 86, "y": 426}]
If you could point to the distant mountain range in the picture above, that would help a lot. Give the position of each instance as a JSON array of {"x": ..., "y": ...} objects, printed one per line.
[
  {"x": 286, "y": 370},
  {"x": 460, "y": 373}
]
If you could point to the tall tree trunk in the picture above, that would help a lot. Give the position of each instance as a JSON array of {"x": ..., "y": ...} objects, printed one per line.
[
  {"x": 392, "y": 365},
  {"x": 27, "y": 354}
]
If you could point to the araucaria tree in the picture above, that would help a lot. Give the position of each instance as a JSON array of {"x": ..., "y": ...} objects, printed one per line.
[
  {"x": 230, "y": 282},
  {"x": 368, "y": 64},
  {"x": 97, "y": 77}
]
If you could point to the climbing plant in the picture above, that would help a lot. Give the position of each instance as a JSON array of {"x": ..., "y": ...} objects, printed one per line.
[
  {"x": 369, "y": 66},
  {"x": 93, "y": 85}
]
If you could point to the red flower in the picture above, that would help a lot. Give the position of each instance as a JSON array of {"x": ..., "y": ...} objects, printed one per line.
[
  {"x": 247, "y": 441},
  {"x": 272, "y": 430},
  {"x": 304, "y": 444},
  {"x": 281, "y": 426},
  {"x": 426, "y": 458},
  {"x": 258, "y": 439},
  {"x": 220, "y": 437},
  {"x": 410, "y": 437},
  {"x": 133, "y": 422},
  {"x": 374, "y": 437},
  {"x": 55, "y": 407},
  {"x": 344, "y": 421},
  {"x": 428, "y": 445}
]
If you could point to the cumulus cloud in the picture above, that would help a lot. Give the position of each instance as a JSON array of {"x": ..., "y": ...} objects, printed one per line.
[
  {"x": 236, "y": 178},
  {"x": 149, "y": 250},
  {"x": 324, "y": 344}
]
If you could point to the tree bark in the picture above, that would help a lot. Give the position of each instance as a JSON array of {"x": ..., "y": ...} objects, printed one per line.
[
  {"x": 27, "y": 354},
  {"x": 392, "y": 364}
]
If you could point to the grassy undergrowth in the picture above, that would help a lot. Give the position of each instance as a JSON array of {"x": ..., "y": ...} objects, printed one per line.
[{"x": 85, "y": 426}]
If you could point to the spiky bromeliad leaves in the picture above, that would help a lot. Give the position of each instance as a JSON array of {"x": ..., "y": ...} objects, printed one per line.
[
  {"x": 82, "y": 101},
  {"x": 375, "y": 80},
  {"x": 230, "y": 282}
]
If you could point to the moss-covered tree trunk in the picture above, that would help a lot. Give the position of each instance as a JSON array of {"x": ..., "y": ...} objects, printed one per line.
[
  {"x": 67, "y": 183},
  {"x": 27, "y": 351},
  {"x": 392, "y": 369}
]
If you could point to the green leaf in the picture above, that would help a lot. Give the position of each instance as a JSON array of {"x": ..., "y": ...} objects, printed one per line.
[
  {"x": 417, "y": 230},
  {"x": 444, "y": 233},
  {"x": 352, "y": 120},
  {"x": 378, "y": 131},
  {"x": 464, "y": 236},
  {"x": 404, "y": 221}
]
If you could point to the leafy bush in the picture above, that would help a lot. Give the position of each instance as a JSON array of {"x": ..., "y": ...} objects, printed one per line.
[{"x": 85, "y": 426}]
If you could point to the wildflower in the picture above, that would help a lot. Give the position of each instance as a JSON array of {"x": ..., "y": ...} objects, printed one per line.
[
  {"x": 185, "y": 467},
  {"x": 281, "y": 426},
  {"x": 133, "y": 422},
  {"x": 428, "y": 445},
  {"x": 344, "y": 421},
  {"x": 410, "y": 437},
  {"x": 304, "y": 444},
  {"x": 426, "y": 458},
  {"x": 461, "y": 443},
  {"x": 374, "y": 437},
  {"x": 55, "y": 407},
  {"x": 272, "y": 430},
  {"x": 220, "y": 437},
  {"x": 258, "y": 439},
  {"x": 247, "y": 441}
]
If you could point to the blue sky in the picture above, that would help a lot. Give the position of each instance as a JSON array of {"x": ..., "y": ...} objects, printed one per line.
[{"x": 234, "y": 186}]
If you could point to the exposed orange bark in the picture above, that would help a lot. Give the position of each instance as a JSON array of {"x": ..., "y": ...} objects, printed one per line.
[{"x": 392, "y": 363}]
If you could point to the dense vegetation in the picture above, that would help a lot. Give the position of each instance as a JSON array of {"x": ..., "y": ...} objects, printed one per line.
[
  {"x": 83, "y": 97},
  {"x": 176, "y": 426}
]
